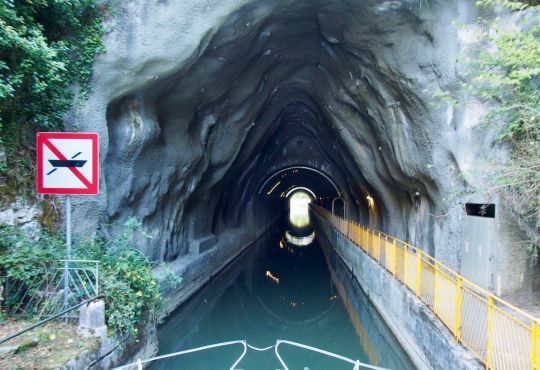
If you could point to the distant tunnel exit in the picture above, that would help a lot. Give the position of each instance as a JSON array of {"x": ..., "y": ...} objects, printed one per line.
[{"x": 299, "y": 209}]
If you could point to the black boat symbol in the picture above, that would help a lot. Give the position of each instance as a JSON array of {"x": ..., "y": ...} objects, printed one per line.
[
  {"x": 67, "y": 162},
  {"x": 58, "y": 163}
]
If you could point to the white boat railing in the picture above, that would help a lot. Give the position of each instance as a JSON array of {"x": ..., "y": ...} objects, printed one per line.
[{"x": 357, "y": 365}]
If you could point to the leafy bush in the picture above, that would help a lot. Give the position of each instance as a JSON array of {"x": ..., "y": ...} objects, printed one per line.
[
  {"x": 46, "y": 45},
  {"x": 27, "y": 260},
  {"x": 131, "y": 293}
]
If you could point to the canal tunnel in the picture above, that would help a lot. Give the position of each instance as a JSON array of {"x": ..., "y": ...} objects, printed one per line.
[
  {"x": 213, "y": 115},
  {"x": 328, "y": 86}
]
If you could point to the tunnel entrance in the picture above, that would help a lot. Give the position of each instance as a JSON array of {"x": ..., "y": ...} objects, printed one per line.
[
  {"x": 280, "y": 95},
  {"x": 280, "y": 99}
]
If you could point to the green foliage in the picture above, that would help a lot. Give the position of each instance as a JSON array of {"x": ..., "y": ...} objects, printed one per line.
[
  {"x": 510, "y": 4},
  {"x": 445, "y": 96},
  {"x": 131, "y": 293},
  {"x": 171, "y": 280},
  {"x": 27, "y": 260},
  {"x": 46, "y": 46},
  {"x": 507, "y": 75}
]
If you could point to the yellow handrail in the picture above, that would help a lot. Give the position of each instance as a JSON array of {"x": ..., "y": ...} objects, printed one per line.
[{"x": 500, "y": 335}]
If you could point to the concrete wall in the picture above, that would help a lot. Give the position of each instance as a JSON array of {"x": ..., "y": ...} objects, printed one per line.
[{"x": 426, "y": 340}]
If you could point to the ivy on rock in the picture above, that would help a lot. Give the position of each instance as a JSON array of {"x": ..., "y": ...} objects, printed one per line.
[{"x": 46, "y": 48}]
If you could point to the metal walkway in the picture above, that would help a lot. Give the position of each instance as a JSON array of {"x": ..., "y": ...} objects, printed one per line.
[{"x": 500, "y": 335}]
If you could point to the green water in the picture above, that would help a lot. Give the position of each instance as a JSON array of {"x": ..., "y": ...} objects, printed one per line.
[{"x": 312, "y": 303}]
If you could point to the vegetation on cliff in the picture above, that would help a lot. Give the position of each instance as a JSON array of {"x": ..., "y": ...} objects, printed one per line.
[
  {"x": 47, "y": 48},
  {"x": 506, "y": 75}
]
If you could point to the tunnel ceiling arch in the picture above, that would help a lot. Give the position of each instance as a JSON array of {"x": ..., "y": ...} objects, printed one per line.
[
  {"x": 296, "y": 176},
  {"x": 323, "y": 84},
  {"x": 300, "y": 189}
]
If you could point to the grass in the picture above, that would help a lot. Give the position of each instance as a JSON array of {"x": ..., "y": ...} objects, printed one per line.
[{"x": 46, "y": 347}]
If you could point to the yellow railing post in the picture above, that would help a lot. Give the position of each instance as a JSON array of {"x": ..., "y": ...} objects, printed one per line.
[
  {"x": 370, "y": 243},
  {"x": 535, "y": 353},
  {"x": 405, "y": 266},
  {"x": 368, "y": 240},
  {"x": 418, "y": 272},
  {"x": 376, "y": 238},
  {"x": 374, "y": 246},
  {"x": 436, "y": 288},
  {"x": 364, "y": 239},
  {"x": 394, "y": 265},
  {"x": 489, "y": 344},
  {"x": 379, "y": 252},
  {"x": 459, "y": 299}
]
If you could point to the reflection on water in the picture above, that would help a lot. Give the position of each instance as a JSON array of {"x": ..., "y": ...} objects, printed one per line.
[
  {"x": 299, "y": 232},
  {"x": 279, "y": 291},
  {"x": 299, "y": 209},
  {"x": 275, "y": 279},
  {"x": 300, "y": 241}
]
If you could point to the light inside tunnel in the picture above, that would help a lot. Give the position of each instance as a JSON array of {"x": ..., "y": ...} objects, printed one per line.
[
  {"x": 370, "y": 200},
  {"x": 273, "y": 188},
  {"x": 299, "y": 209}
]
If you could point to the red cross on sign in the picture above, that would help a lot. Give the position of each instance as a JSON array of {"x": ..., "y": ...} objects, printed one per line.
[{"x": 67, "y": 163}]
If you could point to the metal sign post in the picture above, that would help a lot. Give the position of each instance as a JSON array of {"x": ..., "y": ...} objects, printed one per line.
[
  {"x": 68, "y": 252},
  {"x": 67, "y": 163},
  {"x": 68, "y": 226}
]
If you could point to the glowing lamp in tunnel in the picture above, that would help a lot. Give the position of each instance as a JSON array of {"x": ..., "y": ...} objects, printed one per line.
[
  {"x": 273, "y": 188},
  {"x": 299, "y": 209},
  {"x": 370, "y": 201}
]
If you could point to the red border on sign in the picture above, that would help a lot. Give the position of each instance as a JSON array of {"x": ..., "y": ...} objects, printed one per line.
[{"x": 42, "y": 139}]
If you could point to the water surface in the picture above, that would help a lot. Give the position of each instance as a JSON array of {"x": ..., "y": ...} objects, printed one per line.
[{"x": 278, "y": 290}]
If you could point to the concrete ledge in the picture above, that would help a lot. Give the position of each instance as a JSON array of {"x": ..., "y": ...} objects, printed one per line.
[
  {"x": 203, "y": 244},
  {"x": 422, "y": 335},
  {"x": 116, "y": 351}
]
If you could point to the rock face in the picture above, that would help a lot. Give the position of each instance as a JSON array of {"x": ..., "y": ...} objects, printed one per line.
[
  {"x": 199, "y": 104},
  {"x": 21, "y": 213}
]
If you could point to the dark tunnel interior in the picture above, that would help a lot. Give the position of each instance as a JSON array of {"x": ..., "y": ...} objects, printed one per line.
[{"x": 281, "y": 97}]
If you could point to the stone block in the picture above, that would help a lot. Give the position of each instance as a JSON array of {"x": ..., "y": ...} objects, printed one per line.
[
  {"x": 92, "y": 320},
  {"x": 201, "y": 245}
]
